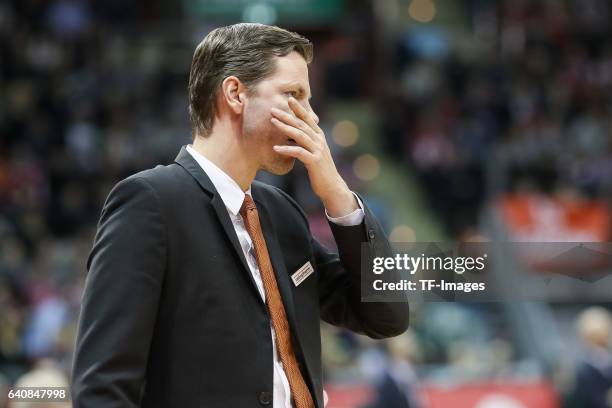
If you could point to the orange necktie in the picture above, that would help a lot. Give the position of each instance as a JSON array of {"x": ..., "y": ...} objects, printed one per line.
[{"x": 299, "y": 389}]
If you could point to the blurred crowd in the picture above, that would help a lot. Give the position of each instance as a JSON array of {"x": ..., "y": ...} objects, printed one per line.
[
  {"x": 87, "y": 99},
  {"x": 80, "y": 108},
  {"x": 528, "y": 93}
]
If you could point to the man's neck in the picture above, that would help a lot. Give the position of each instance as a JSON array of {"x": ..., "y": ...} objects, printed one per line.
[{"x": 227, "y": 154}]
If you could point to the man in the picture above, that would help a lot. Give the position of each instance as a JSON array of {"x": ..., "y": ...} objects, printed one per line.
[
  {"x": 205, "y": 287},
  {"x": 593, "y": 374}
]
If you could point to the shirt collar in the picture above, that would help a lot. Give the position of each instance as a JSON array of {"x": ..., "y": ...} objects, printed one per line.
[{"x": 230, "y": 192}]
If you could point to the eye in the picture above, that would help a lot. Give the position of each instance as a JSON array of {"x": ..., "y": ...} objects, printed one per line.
[{"x": 292, "y": 93}]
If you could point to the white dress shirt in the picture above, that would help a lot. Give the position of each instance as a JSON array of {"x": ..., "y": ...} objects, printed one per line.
[{"x": 233, "y": 197}]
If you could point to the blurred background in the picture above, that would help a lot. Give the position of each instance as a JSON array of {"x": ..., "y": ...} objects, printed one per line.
[{"x": 458, "y": 121}]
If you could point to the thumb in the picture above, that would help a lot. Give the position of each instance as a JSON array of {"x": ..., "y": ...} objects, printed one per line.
[{"x": 325, "y": 398}]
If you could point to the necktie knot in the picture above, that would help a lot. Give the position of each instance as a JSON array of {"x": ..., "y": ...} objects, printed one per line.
[{"x": 247, "y": 205}]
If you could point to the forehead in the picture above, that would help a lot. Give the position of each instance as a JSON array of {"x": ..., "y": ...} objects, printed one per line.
[{"x": 290, "y": 68}]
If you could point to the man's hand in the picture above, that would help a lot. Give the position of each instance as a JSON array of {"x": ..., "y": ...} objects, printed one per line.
[{"x": 312, "y": 150}]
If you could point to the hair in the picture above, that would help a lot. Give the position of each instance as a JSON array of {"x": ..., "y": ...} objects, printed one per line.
[{"x": 244, "y": 50}]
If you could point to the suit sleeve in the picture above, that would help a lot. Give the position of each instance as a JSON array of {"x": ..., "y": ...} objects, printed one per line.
[
  {"x": 119, "y": 304},
  {"x": 340, "y": 281}
]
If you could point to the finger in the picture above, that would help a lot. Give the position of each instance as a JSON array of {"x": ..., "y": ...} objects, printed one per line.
[
  {"x": 300, "y": 137},
  {"x": 293, "y": 120},
  {"x": 298, "y": 152},
  {"x": 304, "y": 114}
]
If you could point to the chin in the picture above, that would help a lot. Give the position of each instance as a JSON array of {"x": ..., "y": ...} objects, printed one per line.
[{"x": 281, "y": 167}]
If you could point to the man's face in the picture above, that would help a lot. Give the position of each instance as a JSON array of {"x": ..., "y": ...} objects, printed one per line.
[{"x": 259, "y": 134}]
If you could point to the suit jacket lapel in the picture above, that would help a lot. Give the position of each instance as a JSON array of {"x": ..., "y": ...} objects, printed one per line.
[{"x": 185, "y": 160}]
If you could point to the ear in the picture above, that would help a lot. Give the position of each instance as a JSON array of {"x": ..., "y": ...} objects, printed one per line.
[{"x": 232, "y": 92}]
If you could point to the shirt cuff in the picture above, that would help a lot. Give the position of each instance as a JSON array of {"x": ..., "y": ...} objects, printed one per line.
[{"x": 351, "y": 219}]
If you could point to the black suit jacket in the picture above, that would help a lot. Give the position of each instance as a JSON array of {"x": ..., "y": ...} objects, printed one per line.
[
  {"x": 171, "y": 316},
  {"x": 593, "y": 386}
]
